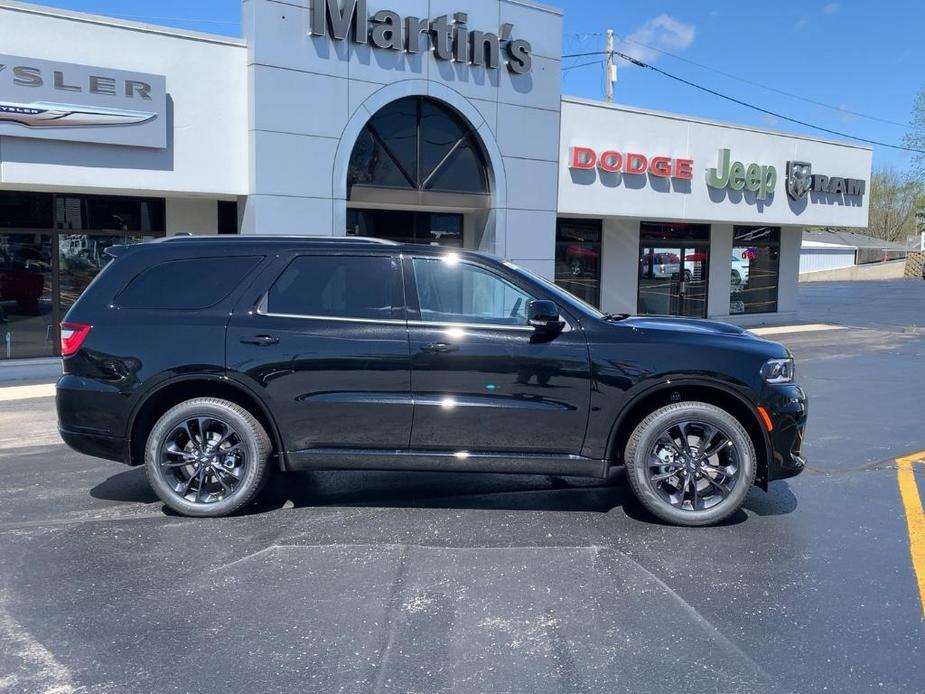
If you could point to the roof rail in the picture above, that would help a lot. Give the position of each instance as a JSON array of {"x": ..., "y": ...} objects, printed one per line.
[{"x": 181, "y": 236}]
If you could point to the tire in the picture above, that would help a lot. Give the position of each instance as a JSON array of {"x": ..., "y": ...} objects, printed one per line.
[
  {"x": 648, "y": 448},
  {"x": 221, "y": 480}
]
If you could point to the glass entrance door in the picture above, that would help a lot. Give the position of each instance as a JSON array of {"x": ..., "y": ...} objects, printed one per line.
[{"x": 673, "y": 270}]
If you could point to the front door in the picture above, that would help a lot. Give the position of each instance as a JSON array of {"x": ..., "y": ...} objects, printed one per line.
[
  {"x": 673, "y": 270},
  {"x": 327, "y": 348},
  {"x": 481, "y": 379}
]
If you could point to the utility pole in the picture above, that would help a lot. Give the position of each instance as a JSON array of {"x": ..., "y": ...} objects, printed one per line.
[{"x": 610, "y": 75}]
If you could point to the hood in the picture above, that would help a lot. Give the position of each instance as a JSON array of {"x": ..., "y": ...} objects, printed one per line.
[{"x": 686, "y": 325}]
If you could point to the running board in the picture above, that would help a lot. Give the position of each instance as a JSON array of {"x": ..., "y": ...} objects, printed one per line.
[{"x": 445, "y": 461}]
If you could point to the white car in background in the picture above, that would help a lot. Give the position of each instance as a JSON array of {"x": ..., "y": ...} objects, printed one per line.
[{"x": 740, "y": 268}]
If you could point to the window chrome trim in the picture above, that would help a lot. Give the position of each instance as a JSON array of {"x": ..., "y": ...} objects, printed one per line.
[
  {"x": 484, "y": 326},
  {"x": 341, "y": 319}
]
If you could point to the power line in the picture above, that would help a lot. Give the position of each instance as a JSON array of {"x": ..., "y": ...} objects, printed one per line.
[
  {"x": 575, "y": 67},
  {"x": 782, "y": 92},
  {"x": 746, "y": 104}
]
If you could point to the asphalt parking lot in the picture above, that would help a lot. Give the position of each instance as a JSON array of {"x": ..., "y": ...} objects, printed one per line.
[{"x": 409, "y": 582}]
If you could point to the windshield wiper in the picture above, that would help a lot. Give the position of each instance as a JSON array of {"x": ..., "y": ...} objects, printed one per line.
[{"x": 616, "y": 317}]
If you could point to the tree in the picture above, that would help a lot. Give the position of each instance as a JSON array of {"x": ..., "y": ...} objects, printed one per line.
[
  {"x": 895, "y": 201},
  {"x": 915, "y": 138}
]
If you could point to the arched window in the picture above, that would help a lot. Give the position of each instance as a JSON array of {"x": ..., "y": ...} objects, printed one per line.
[{"x": 418, "y": 144}]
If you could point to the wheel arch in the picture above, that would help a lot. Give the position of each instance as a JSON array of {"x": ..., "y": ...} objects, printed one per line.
[
  {"x": 687, "y": 390},
  {"x": 177, "y": 390}
]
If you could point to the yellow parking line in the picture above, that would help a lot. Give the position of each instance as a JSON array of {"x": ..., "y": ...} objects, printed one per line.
[{"x": 915, "y": 517}]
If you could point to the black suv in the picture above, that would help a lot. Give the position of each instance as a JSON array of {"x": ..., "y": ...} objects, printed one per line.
[{"x": 212, "y": 360}]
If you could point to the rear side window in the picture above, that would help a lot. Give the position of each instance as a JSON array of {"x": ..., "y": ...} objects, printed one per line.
[
  {"x": 335, "y": 287},
  {"x": 188, "y": 284}
]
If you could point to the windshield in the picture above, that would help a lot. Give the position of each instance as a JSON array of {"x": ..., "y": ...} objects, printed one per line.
[{"x": 559, "y": 292}]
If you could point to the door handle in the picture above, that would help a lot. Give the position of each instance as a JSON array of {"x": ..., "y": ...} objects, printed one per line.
[
  {"x": 260, "y": 340},
  {"x": 439, "y": 347}
]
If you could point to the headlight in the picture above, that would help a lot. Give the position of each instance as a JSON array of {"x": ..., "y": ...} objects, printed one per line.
[{"x": 778, "y": 371}]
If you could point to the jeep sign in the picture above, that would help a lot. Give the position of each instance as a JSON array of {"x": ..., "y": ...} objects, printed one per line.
[
  {"x": 79, "y": 103},
  {"x": 451, "y": 38}
]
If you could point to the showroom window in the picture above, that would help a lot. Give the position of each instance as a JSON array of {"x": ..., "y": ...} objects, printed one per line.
[
  {"x": 51, "y": 247},
  {"x": 578, "y": 258},
  {"x": 755, "y": 270}
]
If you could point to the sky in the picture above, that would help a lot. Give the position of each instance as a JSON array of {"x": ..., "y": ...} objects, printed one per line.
[{"x": 861, "y": 62}]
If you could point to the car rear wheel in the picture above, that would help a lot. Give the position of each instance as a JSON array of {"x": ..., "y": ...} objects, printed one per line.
[
  {"x": 207, "y": 457},
  {"x": 690, "y": 463}
]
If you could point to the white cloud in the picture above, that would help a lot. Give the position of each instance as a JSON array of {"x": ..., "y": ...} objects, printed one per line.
[
  {"x": 831, "y": 8},
  {"x": 663, "y": 32},
  {"x": 801, "y": 24}
]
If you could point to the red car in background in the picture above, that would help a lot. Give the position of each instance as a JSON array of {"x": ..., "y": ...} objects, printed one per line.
[
  {"x": 21, "y": 284},
  {"x": 581, "y": 259}
]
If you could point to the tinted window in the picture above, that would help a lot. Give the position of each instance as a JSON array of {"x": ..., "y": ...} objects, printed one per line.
[
  {"x": 419, "y": 144},
  {"x": 25, "y": 210},
  {"x": 335, "y": 287},
  {"x": 186, "y": 284},
  {"x": 109, "y": 213},
  {"x": 451, "y": 292}
]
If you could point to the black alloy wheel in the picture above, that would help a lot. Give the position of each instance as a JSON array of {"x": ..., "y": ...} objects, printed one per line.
[
  {"x": 207, "y": 457},
  {"x": 691, "y": 463},
  {"x": 202, "y": 460}
]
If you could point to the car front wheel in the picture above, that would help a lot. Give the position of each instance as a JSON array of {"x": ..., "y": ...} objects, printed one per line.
[
  {"x": 207, "y": 457},
  {"x": 690, "y": 463}
]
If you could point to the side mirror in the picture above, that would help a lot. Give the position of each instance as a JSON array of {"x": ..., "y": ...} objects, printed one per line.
[{"x": 544, "y": 316}]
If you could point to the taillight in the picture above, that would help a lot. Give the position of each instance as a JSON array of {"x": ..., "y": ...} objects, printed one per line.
[
  {"x": 72, "y": 337},
  {"x": 662, "y": 269}
]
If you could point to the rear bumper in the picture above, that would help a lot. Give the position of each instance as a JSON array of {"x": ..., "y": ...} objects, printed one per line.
[
  {"x": 91, "y": 418},
  {"x": 788, "y": 409},
  {"x": 97, "y": 445}
]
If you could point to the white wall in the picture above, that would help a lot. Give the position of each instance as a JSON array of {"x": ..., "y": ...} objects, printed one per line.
[
  {"x": 718, "y": 290},
  {"x": 788, "y": 282},
  {"x": 206, "y": 84},
  {"x": 620, "y": 265},
  {"x": 820, "y": 259},
  {"x": 605, "y": 127},
  {"x": 192, "y": 216}
]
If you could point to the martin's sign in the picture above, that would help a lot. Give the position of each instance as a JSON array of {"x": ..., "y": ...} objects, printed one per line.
[
  {"x": 451, "y": 39},
  {"x": 63, "y": 101},
  {"x": 801, "y": 180}
]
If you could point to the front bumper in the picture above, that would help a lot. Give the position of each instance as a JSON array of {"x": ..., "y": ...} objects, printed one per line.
[{"x": 788, "y": 408}]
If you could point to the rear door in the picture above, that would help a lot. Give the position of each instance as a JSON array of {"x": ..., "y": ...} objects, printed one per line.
[{"x": 326, "y": 346}]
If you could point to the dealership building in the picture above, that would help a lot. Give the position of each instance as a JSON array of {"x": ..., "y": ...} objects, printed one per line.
[{"x": 430, "y": 121}]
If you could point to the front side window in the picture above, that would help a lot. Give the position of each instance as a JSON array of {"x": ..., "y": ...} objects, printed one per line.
[
  {"x": 335, "y": 287},
  {"x": 755, "y": 267},
  {"x": 454, "y": 292}
]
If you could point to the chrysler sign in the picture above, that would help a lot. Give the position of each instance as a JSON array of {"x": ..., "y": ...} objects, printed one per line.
[
  {"x": 79, "y": 103},
  {"x": 451, "y": 38}
]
